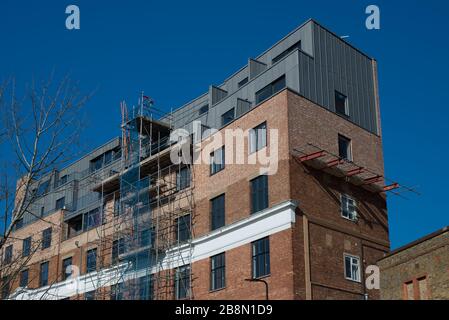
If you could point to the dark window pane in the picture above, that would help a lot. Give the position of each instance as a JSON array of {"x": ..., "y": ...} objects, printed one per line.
[
  {"x": 204, "y": 109},
  {"x": 66, "y": 268},
  {"x": 218, "y": 212},
  {"x": 259, "y": 193},
  {"x": 227, "y": 117},
  {"x": 26, "y": 249},
  {"x": 6, "y": 286},
  {"x": 145, "y": 288},
  {"x": 43, "y": 275},
  {"x": 8, "y": 254},
  {"x": 286, "y": 52},
  {"x": 261, "y": 257},
  {"x": 89, "y": 295},
  {"x": 182, "y": 282},
  {"x": 183, "y": 178},
  {"x": 117, "y": 291},
  {"x": 43, "y": 188},
  {"x": 24, "y": 278},
  {"x": 46, "y": 238},
  {"x": 218, "y": 274},
  {"x": 341, "y": 104},
  {"x": 183, "y": 228},
  {"x": 217, "y": 160},
  {"x": 344, "y": 148},
  {"x": 91, "y": 260},
  {"x": 270, "y": 89},
  {"x": 243, "y": 82},
  {"x": 60, "y": 203}
]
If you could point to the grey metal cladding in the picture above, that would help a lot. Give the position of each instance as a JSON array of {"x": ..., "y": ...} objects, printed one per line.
[
  {"x": 339, "y": 66},
  {"x": 255, "y": 68}
]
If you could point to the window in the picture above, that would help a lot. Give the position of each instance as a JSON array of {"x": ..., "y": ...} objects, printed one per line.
[
  {"x": 217, "y": 213},
  {"x": 43, "y": 188},
  {"x": 423, "y": 289},
  {"x": 259, "y": 193},
  {"x": 217, "y": 160},
  {"x": 118, "y": 248},
  {"x": 91, "y": 260},
  {"x": 66, "y": 268},
  {"x": 348, "y": 208},
  {"x": 182, "y": 282},
  {"x": 243, "y": 82},
  {"x": 352, "y": 268},
  {"x": 285, "y": 53},
  {"x": 5, "y": 287},
  {"x": 26, "y": 247},
  {"x": 344, "y": 148},
  {"x": 24, "y": 279},
  {"x": 147, "y": 237},
  {"x": 108, "y": 157},
  {"x": 341, "y": 104},
  {"x": 92, "y": 219},
  {"x": 43, "y": 274},
  {"x": 217, "y": 272},
  {"x": 89, "y": 295},
  {"x": 60, "y": 203},
  {"x": 227, "y": 117},
  {"x": 117, "y": 291},
  {"x": 183, "y": 178},
  {"x": 74, "y": 226},
  {"x": 416, "y": 289},
  {"x": 63, "y": 180},
  {"x": 270, "y": 90},
  {"x": 46, "y": 238},
  {"x": 145, "y": 288},
  {"x": 258, "y": 138},
  {"x": 183, "y": 228},
  {"x": 261, "y": 257},
  {"x": 409, "y": 291},
  {"x": 42, "y": 211},
  {"x": 204, "y": 109},
  {"x": 8, "y": 255}
]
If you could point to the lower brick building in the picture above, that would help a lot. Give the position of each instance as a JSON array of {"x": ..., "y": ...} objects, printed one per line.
[
  {"x": 417, "y": 271},
  {"x": 293, "y": 195}
]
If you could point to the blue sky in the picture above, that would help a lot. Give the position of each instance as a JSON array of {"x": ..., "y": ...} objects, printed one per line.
[{"x": 174, "y": 50}]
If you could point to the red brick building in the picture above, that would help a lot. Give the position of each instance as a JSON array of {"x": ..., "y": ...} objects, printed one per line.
[{"x": 301, "y": 206}]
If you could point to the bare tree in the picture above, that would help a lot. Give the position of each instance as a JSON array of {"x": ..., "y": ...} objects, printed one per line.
[{"x": 40, "y": 131}]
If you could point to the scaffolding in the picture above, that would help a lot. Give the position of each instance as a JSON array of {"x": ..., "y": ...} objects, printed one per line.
[{"x": 144, "y": 242}]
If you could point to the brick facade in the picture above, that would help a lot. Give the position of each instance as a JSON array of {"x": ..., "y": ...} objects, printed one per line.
[{"x": 418, "y": 271}]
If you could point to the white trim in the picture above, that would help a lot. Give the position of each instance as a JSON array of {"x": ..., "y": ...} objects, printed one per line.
[{"x": 259, "y": 225}]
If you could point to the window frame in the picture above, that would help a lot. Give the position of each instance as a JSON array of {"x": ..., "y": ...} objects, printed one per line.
[
  {"x": 89, "y": 265},
  {"x": 255, "y": 198},
  {"x": 187, "y": 230},
  {"x": 270, "y": 90},
  {"x": 8, "y": 254},
  {"x": 66, "y": 275},
  {"x": 21, "y": 281},
  {"x": 218, "y": 272},
  {"x": 182, "y": 274},
  {"x": 225, "y": 119},
  {"x": 359, "y": 274},
  {"x": 256, "y": 146},
  {"x": 46, "y": 238},
  {"x": 346, "y": 104},
  {"x": 217, "y": 167},
  {"x": 255, "y": 263},
  {"x": 348, "y": 148},
  {"x": 57, "y": 204},
  {"x": 216, "y": 205},
  {"x": 26, "y": 247},
  {"x": 183, "y": 181},
  {"x": 349, "y": 199},
  {"x": 43, "y": 271}
]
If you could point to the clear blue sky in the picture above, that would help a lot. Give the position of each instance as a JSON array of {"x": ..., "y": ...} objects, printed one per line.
[{"x": 174, "y": 50}]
